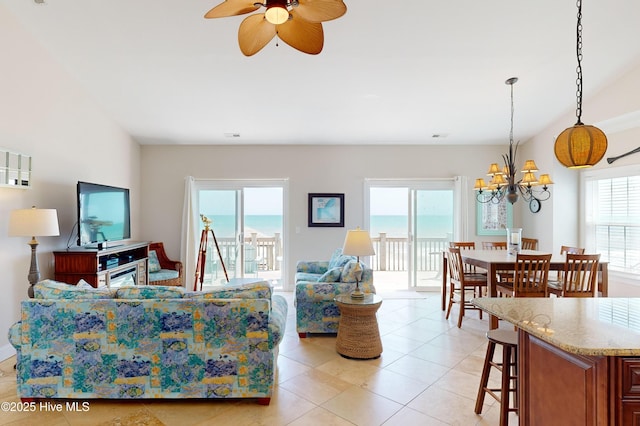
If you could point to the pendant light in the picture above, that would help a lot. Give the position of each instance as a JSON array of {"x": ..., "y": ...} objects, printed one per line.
[{"x": 581, "y": 145}]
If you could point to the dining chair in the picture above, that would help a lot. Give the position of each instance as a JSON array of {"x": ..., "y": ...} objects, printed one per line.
[
  {"x": 530, "y": 277},
  {"x": 470, "y": 269},
  {"x": 580, "y": 277},
  {"x": 467, "y": 245},
  {"x": 494, "y": 245},
  {"x": 503, "y": 276},
  {"x": 460, "y": 283},
  {"x": 564, "y": 250},
  {"x": 572, "y": 250},
  {"x": 529, "y": 243}
]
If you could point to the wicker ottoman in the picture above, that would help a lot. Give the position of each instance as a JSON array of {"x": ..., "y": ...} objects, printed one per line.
[{"x": 358, "y": 334}]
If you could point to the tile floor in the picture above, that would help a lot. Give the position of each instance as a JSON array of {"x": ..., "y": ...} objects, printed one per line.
[{"x": 428, "y": 374}]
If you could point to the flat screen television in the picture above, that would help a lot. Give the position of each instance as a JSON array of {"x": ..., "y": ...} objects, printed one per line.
[{"x": 103, "y": 214}]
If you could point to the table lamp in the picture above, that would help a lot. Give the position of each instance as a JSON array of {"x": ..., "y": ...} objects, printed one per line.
[
  {"x": 33, "y": 223},
  {"x": 358, "y": 243}
]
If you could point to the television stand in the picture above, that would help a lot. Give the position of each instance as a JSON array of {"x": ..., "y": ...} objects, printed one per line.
[{"x": 108, "y": 267}]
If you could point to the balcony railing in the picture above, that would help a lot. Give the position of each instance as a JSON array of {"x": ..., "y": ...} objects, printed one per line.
[
  {"x": 260, "y": 253},
  {"x": 265, "y": 253},
  {"x": 392, "y": 253}
]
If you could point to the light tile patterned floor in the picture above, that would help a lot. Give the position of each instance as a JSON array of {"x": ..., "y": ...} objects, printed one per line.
[{"x": 428, "y": 374}]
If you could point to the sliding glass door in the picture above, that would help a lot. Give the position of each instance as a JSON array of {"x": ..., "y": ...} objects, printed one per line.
[
  {"x": 432, "y": 221},
  {"x": 411, "y": 223},
  {"x": 246, "y": 237}
]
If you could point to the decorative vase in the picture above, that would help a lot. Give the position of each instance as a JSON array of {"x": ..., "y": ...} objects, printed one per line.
[{"x": 514, "y": 240}]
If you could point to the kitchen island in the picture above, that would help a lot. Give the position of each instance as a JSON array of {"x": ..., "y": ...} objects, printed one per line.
[{"x": 579, "y": 358}]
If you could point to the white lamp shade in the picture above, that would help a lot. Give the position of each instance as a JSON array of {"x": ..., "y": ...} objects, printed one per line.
[
  {"x": 33, "y": 223},
  {"x": 358, "y": 243}
]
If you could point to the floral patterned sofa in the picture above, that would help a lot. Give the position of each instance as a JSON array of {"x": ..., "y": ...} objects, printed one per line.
[
  {"x": 318, "y": 283},
  {"x": 148, "y": 342}
]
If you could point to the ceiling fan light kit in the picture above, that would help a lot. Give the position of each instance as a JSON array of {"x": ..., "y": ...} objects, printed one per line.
[
  {"x": 277, "y": 12},
  {"x": 296, "y": 22}
]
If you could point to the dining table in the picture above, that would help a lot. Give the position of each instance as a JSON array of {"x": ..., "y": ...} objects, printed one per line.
[{"x": 500, "y": 260}]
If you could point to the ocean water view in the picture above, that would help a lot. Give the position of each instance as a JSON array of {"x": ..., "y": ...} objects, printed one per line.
[
  {"x": 224, "y": 226},
  {"x": 394, "y": 225}
]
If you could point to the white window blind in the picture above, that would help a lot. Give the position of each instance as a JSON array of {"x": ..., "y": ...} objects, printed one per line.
[
  {"x": 622, "y": 312},
  {"x": 612, "y": 218}
]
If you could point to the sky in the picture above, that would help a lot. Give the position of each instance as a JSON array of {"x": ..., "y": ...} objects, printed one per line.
[{"x": 257, "y": 201}]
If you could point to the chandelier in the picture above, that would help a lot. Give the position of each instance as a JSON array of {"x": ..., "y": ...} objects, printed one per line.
[{"x": 504, "y": 182}]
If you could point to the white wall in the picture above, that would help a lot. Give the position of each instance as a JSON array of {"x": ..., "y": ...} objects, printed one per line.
[
  {"x": 44, "y": 113},
  {"x": 339, "y": 169}
]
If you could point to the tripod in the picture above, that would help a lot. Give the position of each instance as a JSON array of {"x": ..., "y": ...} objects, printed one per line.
[{"x": 202, "y": 252}]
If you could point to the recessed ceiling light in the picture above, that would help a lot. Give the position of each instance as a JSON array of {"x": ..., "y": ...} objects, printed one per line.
[
  {"x": 439, "y": 135},
  {"x": 232, "y": 135}
]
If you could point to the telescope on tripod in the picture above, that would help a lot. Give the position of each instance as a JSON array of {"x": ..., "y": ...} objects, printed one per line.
[{"x": 202, "y": 253}]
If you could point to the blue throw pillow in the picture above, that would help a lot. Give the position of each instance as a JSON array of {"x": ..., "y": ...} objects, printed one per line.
[
  {"x": 154, "y": 263},
  {"x": 331, "y": 276}
]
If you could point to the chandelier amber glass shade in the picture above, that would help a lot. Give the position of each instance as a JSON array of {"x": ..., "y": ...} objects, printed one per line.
[
  {"x": 499, "y": 180},
  {"x": 580, "y": 146},
  {"x": 529, "y": 166},
  {"x": 545, "y": 180},
  {"x": 480, "y": 185},
  {"x": 494, "y": 169},
  {"x": 529, "y": 179}
]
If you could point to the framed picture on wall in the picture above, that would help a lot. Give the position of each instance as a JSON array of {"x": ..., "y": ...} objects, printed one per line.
[
  {"x": 493, "y": 218},
  {"x": 326, "y": 210}
]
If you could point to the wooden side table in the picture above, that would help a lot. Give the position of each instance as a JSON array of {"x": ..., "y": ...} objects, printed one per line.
[{"x": 358, "y": 333}]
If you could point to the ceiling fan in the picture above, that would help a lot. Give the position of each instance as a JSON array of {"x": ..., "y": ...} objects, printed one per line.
[{"x": 297, "y": 22}]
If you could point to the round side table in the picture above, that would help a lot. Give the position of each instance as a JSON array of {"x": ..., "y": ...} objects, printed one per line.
[{"x": 358, "y": 334}]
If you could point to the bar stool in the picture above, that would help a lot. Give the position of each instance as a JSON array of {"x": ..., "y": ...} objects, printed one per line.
[{"x": 509, "y": 341}]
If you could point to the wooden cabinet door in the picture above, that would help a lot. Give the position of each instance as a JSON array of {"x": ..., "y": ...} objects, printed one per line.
[{"x": 560, "y": 388}]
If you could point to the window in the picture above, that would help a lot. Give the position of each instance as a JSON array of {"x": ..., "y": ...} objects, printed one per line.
[{"x": 612, "y": 217}]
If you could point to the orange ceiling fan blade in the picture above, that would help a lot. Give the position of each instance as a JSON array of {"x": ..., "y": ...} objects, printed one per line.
[
  {"x": 231, "y": 8},
  {"x": 320, "y": 10},
  {"x": 303, "y": 35},
  {"x": 254, "y": 34}
]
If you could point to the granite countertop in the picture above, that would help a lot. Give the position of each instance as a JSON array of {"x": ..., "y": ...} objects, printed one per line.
[{"x": 585, "y": 326}]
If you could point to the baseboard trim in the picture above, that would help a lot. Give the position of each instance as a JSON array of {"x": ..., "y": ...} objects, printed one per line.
[{"x": 7, "y": 351}]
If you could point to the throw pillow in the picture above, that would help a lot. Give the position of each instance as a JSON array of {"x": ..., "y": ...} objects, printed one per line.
[
  {"x": 331, "y": 276},
  {"x": 49, "y": 289},
  {"x": 154, "y": 263},
  {"x": 255, "y": 290},
  {"x": 351, "y": 271},
  {"x": 333, "y": 261},
  {"x": 149, "y": 292}
]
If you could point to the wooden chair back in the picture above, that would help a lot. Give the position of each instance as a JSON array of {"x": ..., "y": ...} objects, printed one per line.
[
  {"x": 529, "y": 243},
  {"x": 580, "y": 275},
  {"x": 531, "y": 275},
  {"x": 494, "y": 245},
  {"x": 464, "y": 245},
  {"x": 456, "y": 267},
  {"x": 572, "y": 250}
]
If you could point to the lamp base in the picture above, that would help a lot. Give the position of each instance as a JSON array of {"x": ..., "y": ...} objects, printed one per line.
[{"x": 357, "y": 294}]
